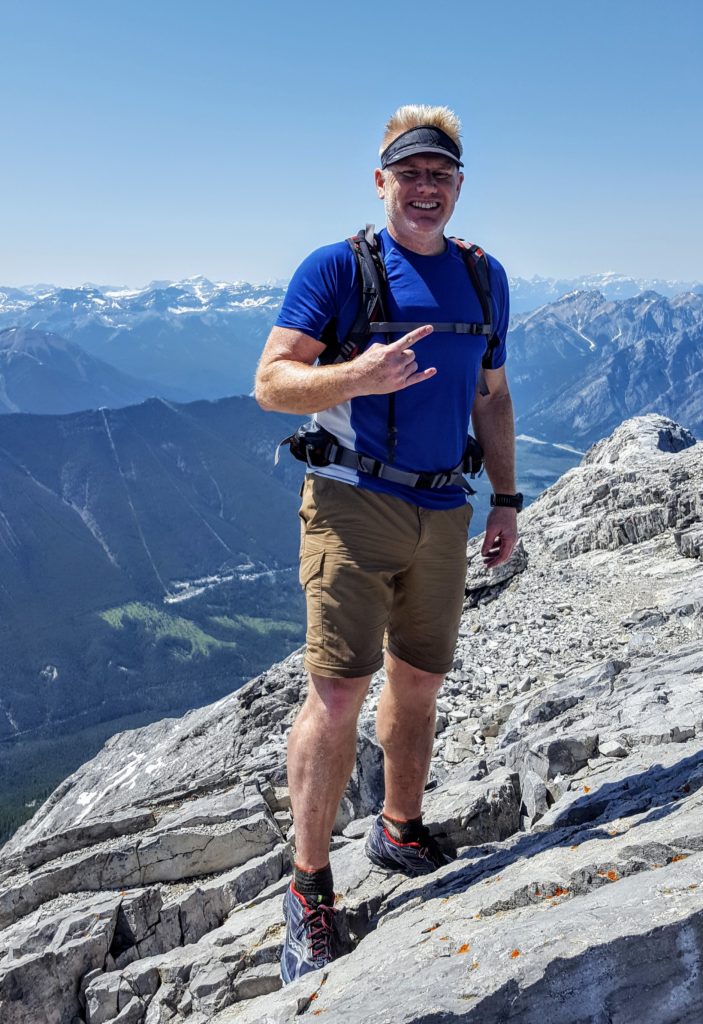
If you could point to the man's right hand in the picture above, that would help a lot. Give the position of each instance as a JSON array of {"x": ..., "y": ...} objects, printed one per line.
[{"x": 383, "y": 369}]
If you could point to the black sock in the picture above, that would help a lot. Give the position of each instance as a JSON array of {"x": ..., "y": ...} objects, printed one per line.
[
  {"x": 315, "y": 886},
  {"x": 404, "y": 831}
]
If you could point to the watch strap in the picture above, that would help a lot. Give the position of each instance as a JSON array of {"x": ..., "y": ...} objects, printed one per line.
[{"x": 515, "y": 501}]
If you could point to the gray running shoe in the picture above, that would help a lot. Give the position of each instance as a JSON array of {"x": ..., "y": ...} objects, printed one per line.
[
  {"x": 311, "y": 941},
  {"x": 417, "y": 858}
]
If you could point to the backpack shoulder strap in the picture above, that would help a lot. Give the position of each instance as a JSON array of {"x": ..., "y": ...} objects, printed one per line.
[
  {"x": 479, "y": 271},
  {"x": 373, "y": 284},
  {"x": 371, "y": 275}
]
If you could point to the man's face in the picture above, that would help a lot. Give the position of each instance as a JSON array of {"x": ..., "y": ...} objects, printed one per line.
[{"x": 419, "y": 194}]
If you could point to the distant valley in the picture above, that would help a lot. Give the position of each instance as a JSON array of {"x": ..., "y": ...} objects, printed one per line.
[{"x": 143, "y": 570}]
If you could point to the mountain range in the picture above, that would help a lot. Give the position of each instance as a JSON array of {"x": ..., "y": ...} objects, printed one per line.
[
  {"x": 579, "y": 366},
  {"x": 43, "y": 373},
  {"x": 528, "y": 293},
  {"x": 199, "y": 339}
]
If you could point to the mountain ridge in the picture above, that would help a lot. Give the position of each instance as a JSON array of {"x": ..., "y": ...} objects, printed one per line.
[
  {"x": 41, "y": 372},
  {"x": 579, "y": 366}
]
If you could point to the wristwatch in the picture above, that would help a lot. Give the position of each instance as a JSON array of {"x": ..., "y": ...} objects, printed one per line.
[{"x": 507, "y": 501}]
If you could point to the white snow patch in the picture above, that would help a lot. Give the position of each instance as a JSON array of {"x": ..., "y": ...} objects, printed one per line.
[
  {"x": 122, "y": 777},
  {"x": 591, "y": 344},
  {"x": 550, "y": 444}
]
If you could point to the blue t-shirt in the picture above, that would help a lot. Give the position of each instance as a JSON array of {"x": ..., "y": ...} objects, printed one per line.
[{"x": 432, "y": 417}]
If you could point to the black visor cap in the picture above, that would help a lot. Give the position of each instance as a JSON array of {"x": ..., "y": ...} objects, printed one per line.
[{"x": 424, "y": 139}]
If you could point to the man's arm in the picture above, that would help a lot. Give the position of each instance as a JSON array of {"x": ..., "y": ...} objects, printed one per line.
[
  {"x": 494, "y": 426},
  {"x": 287, "y": 381}
]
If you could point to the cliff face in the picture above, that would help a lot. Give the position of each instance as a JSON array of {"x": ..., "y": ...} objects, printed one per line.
[{"x": 568, "y": 777}]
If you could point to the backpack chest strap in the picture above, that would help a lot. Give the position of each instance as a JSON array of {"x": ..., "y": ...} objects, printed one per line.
[{"x": 402, "y": 327}]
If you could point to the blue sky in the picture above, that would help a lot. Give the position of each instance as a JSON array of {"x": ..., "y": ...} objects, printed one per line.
[{"x": 159, "y": 139}]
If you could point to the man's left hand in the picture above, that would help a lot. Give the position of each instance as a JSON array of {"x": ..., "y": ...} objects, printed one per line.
[{"x": 500, "y": 538}]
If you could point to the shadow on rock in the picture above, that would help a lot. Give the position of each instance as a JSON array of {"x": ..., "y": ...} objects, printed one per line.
[{"x": 659, "y": 789}]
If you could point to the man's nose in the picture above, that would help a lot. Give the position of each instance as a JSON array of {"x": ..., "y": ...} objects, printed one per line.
[{"x": 426, "y": 180}]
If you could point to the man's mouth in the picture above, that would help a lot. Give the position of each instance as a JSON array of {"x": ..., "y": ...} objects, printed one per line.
[{"x": 424, "y": 206}]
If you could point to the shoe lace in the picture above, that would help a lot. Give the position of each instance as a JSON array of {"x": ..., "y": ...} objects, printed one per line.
[
  {"x": 318, "y": 928},
  {"x": 429, "y": 848}
]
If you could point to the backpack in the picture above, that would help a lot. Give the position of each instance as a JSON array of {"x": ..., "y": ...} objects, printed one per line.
[
  {"x": 372, "y": 317},
  {"x": 314, "y": 445}
]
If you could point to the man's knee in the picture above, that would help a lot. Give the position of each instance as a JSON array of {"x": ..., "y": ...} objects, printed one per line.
[
  {"x": 337, "y": 700},
  {"x": 403, "y": 676}
]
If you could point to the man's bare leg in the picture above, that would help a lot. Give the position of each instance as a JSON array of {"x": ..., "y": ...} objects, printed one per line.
[
  {"x": 321, "y": 755},
  {"x": 405, "y": 728}
]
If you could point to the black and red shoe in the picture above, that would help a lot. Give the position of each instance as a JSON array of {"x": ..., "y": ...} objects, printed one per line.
[{"x": 420, "y": 857}]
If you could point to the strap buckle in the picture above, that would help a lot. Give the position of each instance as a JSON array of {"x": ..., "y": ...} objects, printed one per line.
[{"x": 368, "y": 465}]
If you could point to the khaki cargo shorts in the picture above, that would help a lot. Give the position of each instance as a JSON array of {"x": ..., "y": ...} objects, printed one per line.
[{"x": 371, "y": 563}]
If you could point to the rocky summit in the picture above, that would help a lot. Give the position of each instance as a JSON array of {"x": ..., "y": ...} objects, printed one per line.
[{"x": 567, "y": 778}]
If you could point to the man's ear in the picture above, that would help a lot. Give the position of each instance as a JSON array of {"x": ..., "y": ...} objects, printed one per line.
[
  {"x": 459, "y": 184},
  {"x": 380, "y": 181}
]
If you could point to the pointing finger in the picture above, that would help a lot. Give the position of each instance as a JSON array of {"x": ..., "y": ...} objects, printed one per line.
[{"x": 412, "y": 337}]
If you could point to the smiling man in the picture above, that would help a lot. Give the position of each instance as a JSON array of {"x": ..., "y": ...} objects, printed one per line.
[{"x": 394, "y": 342}]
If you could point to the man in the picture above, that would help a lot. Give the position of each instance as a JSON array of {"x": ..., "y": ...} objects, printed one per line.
[{"x": 379, "y": 555}]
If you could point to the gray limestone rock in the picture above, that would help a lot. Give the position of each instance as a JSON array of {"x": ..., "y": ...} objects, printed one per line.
[
  {"x": 79, "y": 836},
  {"x": 535, "y": 796},
  {"x": 476, "y": 812},
  {"x": 41, "y": 972},
  {"x": 612, "y": 748},
  {"x": 156, "y": 857}
]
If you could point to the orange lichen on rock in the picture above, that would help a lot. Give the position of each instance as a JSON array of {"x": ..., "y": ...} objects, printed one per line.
[
  {"x": 587, "y": 789},
  {"x": 560, "y": 892},
  {"x": 515, "y": 953},
  {"x": 679, "y": 856},
  {"x": 431, "y": 928},
  {"x": 464, "y": 948}
]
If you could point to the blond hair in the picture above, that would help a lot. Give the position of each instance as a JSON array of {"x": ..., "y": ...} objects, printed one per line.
[{"x": 414, "y": 115}]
